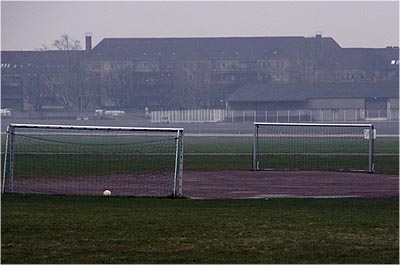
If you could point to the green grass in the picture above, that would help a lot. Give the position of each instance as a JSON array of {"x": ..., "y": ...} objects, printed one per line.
[
  {"x": 89, "y": 165},
  {"x": 72, "y": 229},
  {"x": 245, "y": 144},
  {"x": 204, "y": 153},
  {"x": 56, "y": 229},
  {"x": 242, "y": 160}
]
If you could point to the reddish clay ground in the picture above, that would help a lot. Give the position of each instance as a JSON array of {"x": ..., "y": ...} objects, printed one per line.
[
  {"x": 269, "y": 184},
  {"x": 223, "y": 185}
]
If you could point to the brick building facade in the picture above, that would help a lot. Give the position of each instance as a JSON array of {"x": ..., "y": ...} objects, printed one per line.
[{"x": 178, "y": 73}]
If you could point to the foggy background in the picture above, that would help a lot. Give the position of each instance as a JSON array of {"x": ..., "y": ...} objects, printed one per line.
[{"x": 28, "y": 25}]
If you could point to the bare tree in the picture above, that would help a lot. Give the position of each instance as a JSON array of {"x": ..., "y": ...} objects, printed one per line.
[
  {"x": 76, "y": 90},
  {"x": 34, "y": 90},
  {"x": 192, "y": 85},
  {"x": 65, "y": 43},
  {"x": 120, "y": 87},
  {"x": 43, "y": 47}
]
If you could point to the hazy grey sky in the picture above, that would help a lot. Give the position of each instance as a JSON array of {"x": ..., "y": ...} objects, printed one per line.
[{"x": 26, "y": 25}]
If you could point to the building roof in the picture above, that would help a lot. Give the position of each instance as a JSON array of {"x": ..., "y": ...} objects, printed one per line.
[
  {"x": 301, "y": 92},
  {"x": 366, "y": 58},
  {"x": 204, "y": 48},
  {"x": 39, "y": 60}
]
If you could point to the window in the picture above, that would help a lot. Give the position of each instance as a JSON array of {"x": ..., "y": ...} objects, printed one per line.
[
  {"x": 107, "y": 66},
  {"x": 96, "y": 66}
]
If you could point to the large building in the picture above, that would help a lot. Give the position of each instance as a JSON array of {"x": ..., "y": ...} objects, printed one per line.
[
  {"x": 179, "y": 73},
  {"x": 318, "y": 101}
]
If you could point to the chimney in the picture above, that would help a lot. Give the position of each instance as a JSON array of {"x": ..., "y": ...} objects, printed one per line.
[
  {"x": 88, "y": 41},
  {"x": 318, "y": 35}
]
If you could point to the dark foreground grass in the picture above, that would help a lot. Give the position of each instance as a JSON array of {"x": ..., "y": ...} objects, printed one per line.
[{"x": 56, "y": 229}]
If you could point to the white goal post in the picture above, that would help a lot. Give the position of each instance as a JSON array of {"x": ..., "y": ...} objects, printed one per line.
[
  {"x": 86, "y": 160},
  {"x": 313, "y": 146}
]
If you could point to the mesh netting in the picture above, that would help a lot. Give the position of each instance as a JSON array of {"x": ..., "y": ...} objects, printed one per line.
[
  {"x": 87, "y": 162},
  {"x": 312, "y": 147}
]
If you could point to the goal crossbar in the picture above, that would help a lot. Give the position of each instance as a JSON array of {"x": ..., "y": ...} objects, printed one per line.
[
  {"x": 105, "y": 128},
  {"x": 314, "y": 124}
]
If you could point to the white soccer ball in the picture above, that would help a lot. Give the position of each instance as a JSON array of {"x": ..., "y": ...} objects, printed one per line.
[{"x": 107, "y": 193}]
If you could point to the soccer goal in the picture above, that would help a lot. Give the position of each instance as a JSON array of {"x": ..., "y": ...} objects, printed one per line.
[
  {"x": 313, "y": 146},
  {"x": 87, "y": 160}
]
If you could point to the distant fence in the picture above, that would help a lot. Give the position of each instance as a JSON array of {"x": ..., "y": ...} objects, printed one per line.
[
  {"x": 317, "y": 115},
  {"x": 193, "y": 115}
]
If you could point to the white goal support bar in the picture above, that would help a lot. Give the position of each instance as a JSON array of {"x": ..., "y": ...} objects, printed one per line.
[
  {"x": 40, "y": 126},
  {"x": 314, "y": 124}
]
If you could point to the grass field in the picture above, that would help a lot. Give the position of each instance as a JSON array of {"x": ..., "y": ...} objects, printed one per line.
[
  {"x": 205, "y": 153},
  {"x": 45, "y": 229},
  {"x": 72, "y": 229},
  {"x": 206, "y": 149}
]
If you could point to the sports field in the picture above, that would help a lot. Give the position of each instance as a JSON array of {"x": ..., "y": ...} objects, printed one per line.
[
  {"x": 326, "y": 229},
  {"x": 56, "y": 229}
]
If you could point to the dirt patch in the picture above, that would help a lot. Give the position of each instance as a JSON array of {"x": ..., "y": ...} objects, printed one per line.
[
  {"x": 222, "y": 184},
  {"x": 270, "y": 184},
  {"x": 143, "y": 185}
]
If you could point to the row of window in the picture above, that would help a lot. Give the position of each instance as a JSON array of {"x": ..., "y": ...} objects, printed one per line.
[
  {"x": 7, "y": 65},
  {"x": 351, "y": 76},
  {"x": 14, "y": 66},
  {"x": 189, "y": 65},
  {"x": 276, "y": 64}
]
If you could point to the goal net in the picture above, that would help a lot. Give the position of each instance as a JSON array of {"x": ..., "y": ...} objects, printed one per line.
[
  {"x": 302, "y": 146},
  {"x": 87, "y": 160}
]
